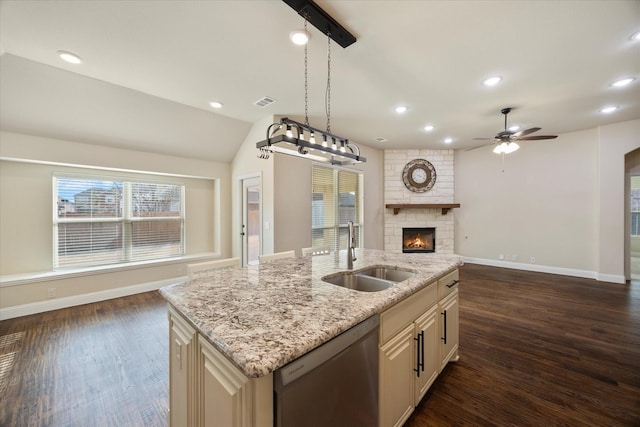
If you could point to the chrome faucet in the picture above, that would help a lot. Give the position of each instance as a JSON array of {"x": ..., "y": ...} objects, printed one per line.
[{"x": 351, "y": 246}]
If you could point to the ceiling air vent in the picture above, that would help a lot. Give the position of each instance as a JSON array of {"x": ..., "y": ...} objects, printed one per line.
[{"x": 264, "y": 102}]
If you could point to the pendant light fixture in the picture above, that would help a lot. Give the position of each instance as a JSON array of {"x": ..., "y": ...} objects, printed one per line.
[{"x": 301, "y": 139}]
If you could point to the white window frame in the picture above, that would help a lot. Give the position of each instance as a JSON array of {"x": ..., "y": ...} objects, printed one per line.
[
  {"x": 359, "y": 224},
  {"x": 126, "y": 220}
]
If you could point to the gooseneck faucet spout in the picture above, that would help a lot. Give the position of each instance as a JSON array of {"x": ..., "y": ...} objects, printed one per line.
[{"x": 351, "y": 246}]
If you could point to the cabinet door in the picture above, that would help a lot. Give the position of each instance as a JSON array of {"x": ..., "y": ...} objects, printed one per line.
[
  {"x": 396, "y": 378},
  {"x": 225, "y": 399},
  {"x": 449, "y": 328},
  {"x": 426, "y": 328},
  {"x": 182, "y": 388}
]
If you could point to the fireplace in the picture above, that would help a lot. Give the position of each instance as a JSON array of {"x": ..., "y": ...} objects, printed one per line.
[{"x": 418, "y": 240}]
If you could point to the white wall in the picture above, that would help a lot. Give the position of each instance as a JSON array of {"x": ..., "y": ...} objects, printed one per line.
[
  {"x": 615, "y": 142},
  {"x": 292, "y": 203},
  {"x": 560, "y": 201},
  {"x": 246, "y": 163},
  {"x": 25, "y": 222}
]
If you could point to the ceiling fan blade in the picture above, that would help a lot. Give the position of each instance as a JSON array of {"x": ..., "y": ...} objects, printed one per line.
[
  {"x": 525, "y": 132},
  {"x": 482, "y": 139},
  {"x": 532, "y": 138},
  {"x": 479, "y": 146}
]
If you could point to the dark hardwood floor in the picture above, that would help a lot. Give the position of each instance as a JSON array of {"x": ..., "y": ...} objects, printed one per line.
[
  {"x": 102, "y": 364},
  {"x": 536, "y": 350},
  {"x": 540, "y": 350}
]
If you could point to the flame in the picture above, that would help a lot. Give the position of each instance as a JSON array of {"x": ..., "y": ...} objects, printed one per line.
[{"x": 415, "y": 242}]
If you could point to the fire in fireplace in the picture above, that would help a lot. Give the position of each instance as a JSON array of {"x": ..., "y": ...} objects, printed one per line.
[{"x": 417, "y": 240}]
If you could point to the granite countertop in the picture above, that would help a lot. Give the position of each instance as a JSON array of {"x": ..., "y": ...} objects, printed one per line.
[{"x": 263, "y": 317}]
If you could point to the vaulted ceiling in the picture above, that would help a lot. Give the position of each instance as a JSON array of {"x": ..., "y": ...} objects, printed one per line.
[{"x": 151, "y": 68}]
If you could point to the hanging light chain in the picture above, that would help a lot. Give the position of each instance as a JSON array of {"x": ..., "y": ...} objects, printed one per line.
[
  {"x": 306, "y": 79},
  {"x": 328, "y": 95}
]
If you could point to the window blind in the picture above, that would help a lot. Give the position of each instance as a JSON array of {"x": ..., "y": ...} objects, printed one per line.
[
  {"x": 99, "y": 222},
  {"x": 336, "y": 199}
]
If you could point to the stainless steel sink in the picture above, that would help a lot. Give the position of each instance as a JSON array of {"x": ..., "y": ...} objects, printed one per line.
[
  {"x": 372, "y": 279},
  {"x": 359, "y": 282},
  {"x": 391, "y": 274}
]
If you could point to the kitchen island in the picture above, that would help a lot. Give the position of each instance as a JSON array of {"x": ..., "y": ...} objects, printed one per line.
[{"x": 254, "y": 320}]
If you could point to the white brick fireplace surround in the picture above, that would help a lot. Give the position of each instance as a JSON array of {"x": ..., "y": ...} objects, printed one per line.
[{"x": 395, "y": 192}]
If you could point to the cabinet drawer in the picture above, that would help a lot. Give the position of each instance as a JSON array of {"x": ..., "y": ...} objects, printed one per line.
[
  {"x": 406, "y": 311},
  {"x": 448, "y": 284}
]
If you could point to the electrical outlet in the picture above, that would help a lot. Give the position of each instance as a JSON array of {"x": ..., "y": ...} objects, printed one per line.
[
  {"x": 533, "y": 260},
  {"x": 501, "y": 256},
  {"x": 51, "y": 292}
]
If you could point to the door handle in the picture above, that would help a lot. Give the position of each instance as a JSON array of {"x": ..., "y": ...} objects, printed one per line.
[
  {"x": 452, "y": 284},
  {"x": 444, "y": 313},
  {"x": 419, "y": 353},
  {"x": 422, "y": 347}
]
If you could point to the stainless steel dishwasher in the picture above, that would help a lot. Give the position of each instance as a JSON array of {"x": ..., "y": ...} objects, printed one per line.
[{"x": 333, "y": 385}]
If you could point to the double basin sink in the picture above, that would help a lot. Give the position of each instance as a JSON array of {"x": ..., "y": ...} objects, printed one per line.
[{"x": 370, "y": 279}]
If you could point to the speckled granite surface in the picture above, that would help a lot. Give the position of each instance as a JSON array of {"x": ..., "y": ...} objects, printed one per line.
[{"x": 263, "y": 317}]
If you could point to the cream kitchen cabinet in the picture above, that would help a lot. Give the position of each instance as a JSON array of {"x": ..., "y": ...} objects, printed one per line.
[
  {"x": 396, "y": 378},
  {"x": 227, "y": 397},
  {"x": 207, "y": 390},
  {"x": 449, "y": 318},
  {"x": 182, "y": 364},
  {"x": 412, "y": 347},
  {"x": 426, "y": 332},
  {"x": 408, "y": 355}
]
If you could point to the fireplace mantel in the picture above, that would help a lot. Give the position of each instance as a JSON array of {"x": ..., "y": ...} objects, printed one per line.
[{"x": 444, "y": 206}]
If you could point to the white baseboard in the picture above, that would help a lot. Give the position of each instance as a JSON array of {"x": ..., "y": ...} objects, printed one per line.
[
  {"x": 57, "y": 303},
  {"x": 613, "y": 278},
  {"x": 548, "y": 269}
]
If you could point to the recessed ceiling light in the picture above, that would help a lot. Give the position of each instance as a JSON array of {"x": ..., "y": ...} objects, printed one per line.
[
  {"x": 448, "y": 140},
  {"x": 623, "y": 82},
  {"x": 299, "y": 37},
  {"x": 635, "y": 37},
  {"x": 492, "y": 81},
  {"x": 429, "y": 128},
  {"x": 380, "y": 139},
  {"x": 216, "y": 104},
  {"x": 609, "y": 109},
  {"x": 70, "y": 57},
  {"x": 401, "y": 109}
]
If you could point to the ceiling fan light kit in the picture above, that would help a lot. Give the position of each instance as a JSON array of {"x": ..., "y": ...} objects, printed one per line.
[
  {"x": 505, "y": 139},
  {"x": 506, "y": 148}
]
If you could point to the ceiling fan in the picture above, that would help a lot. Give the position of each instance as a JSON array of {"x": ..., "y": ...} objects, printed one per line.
[{"x": 505, "y": 140}]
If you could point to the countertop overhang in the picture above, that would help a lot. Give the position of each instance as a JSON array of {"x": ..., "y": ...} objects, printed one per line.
[{"x": 263, "y": 317}]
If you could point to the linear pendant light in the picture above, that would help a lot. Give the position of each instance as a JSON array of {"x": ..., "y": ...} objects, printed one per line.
[{"x": 300, "y": 139}]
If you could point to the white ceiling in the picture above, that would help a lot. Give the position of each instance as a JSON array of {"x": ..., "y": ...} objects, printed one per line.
[{"x": 151, "y": 68}]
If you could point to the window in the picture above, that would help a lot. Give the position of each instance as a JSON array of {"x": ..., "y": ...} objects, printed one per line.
[
  {"x": 337, "y": 199},
  {"x": 99, "y": 221}
]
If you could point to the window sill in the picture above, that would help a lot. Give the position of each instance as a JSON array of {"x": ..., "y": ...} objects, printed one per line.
[{"x": 44, "y": 276}]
